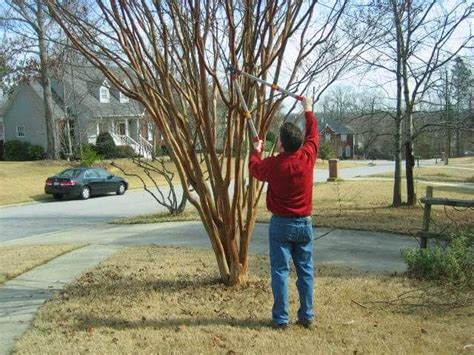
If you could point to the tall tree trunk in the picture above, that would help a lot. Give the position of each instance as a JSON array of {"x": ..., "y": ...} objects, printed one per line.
[
  {"x": 52, "y": 150},
  {"x": 397, "y": 191},
  {"x": 409, "y": 164},
  {"x": 397, "y": 184}
]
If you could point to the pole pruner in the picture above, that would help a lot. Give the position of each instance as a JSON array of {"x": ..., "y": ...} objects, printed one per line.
[
  {"x": 275, "y": 87},
  {"x": 247, "y": 114}
]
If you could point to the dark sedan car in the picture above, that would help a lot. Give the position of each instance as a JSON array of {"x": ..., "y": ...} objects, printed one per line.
[{"x": 83, "y": 183}]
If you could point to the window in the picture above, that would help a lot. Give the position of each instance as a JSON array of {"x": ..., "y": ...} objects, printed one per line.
[
  {"x": 20, "y": 131},
  {"x": 104, "y": 94},
  {"x": 343, "y": 137},
  {"x": 328, "y": 137},
  {"x": 101, "y": 173},
  {"x": 123, "y": 99},
  {"x": 90, "y": 174},
  {"x": 70, "y": 173}
]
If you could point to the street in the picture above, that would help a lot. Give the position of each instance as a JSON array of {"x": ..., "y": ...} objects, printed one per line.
[{"x": 43, "y": 217}]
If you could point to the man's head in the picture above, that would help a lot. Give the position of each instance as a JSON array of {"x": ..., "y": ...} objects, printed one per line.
[{"x": 291, "y": 137}]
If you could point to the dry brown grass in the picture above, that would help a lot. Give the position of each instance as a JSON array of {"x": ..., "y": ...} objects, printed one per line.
[
  {"x": 24, "y": 181},
  {"x": 15, "y": 260},
  {"x": 168, "y": 300},
  {"x": 365, "y": 205}
]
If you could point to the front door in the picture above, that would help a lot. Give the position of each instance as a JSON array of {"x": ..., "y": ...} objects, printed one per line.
[{"x": 122, "y": 130}]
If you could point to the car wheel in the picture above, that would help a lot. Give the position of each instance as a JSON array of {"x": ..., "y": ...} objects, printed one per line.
[
  {"x": 85, "y": 193},
  {"x": 57, "y": 196},
  {"x": 121, "y": 189}
]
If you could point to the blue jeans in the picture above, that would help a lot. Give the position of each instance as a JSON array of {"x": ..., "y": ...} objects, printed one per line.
[{"x": 291, "y": 237}]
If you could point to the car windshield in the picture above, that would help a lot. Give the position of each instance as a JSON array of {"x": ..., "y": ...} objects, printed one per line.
[{"x": 69, "y": 173}]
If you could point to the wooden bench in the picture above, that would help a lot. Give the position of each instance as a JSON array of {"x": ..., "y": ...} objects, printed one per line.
[{"x": 429, "y": 201}]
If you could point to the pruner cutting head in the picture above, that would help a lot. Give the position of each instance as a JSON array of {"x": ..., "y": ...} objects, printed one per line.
[{"x": 233, "y": 70}]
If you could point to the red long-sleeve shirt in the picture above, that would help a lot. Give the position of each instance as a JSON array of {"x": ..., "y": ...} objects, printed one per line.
[{"x": 290, "y": 175}]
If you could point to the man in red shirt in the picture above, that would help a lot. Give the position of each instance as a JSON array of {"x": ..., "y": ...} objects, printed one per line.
[{"x": 289, "y": 197}]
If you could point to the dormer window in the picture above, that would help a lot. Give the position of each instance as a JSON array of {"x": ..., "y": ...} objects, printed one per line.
[
  {"x": 104, "y": 93},
  {"x": 122, "y": 97}
]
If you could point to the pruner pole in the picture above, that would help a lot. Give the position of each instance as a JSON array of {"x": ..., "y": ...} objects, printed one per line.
[
  {"x": 274, "y": 87},
  {"x": 247, "y": 114}
]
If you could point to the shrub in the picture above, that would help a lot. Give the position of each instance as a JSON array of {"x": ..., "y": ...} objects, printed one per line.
[
  {"x": 271, "y": 137},
  {"x": 16, "y": 150},
  {"x": 89, "y": 156},
  {"x": 22, "y": 151},
  {"x": 124, "y": 151},
  {"x": 105, "y": 145},
  {"x": 36, "y": 152},
  {"x": 326, "y": 151},
  {"x": 161, "y": 150},
  {"x": 455, "y": 262},
  {"x": 268, "y": 145}
]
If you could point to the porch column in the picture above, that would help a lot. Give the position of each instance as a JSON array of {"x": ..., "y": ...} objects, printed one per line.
[
  {"x": 139, "y": 133},
  {"x": 113, "y": 126},
  {"x": 126, "y": 128}
]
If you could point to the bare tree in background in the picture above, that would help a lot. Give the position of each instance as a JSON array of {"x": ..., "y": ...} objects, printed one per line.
[
  {"x": 28, "y": 21},
  {"x": 175, "y": 54},
  {"x": 421, "y": 43}
]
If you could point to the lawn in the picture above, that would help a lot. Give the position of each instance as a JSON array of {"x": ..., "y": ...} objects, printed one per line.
[
  {"x": 24, "y": 181},
  {"x": 169, "y": 300},
  {"x": 15, "y": 260}
]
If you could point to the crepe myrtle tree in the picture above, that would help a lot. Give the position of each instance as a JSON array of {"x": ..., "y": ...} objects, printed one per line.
[{"x": 174, "y": 56}]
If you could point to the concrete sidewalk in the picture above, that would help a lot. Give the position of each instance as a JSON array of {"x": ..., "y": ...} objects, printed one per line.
[{"x": 20, "y": 298}]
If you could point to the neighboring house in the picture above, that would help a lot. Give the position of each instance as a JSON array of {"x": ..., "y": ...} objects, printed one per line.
[
  {"x": 339, "y": 135},
  {"x": 85, "y": 104}
]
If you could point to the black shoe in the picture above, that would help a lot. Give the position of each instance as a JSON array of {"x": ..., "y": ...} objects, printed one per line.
[
  {"x": 279, "y": 326},
  {"x": 306, "y": 323}
]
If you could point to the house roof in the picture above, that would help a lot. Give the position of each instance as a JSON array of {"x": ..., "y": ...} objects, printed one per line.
[
  {"x": 336, "y": 126},
  {"x": 80, "y": 89},
  {"x": 36, "y": 89}
]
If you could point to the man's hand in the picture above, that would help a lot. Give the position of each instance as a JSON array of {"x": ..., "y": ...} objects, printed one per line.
[
  {"x": 258, "y": 147},
  {"x": 307, "y": 103}
]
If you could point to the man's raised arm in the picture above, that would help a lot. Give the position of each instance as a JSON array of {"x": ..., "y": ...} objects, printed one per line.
[{"x": 311, "y": 139}]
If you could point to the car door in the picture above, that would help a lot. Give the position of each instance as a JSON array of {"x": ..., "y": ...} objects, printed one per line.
[
  {"x": 94, "y": 181},
  {"x": 108, "y": 184}
]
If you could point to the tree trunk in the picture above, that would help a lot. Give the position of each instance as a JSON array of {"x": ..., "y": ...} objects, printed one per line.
[
  {"x": 409, "y": 164},
  {"x": 447, "y": 143},
  {"x": 397, "y": 184},
  {"x": 52, "y": 150},
  {"x": 397, "y": 188}
]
